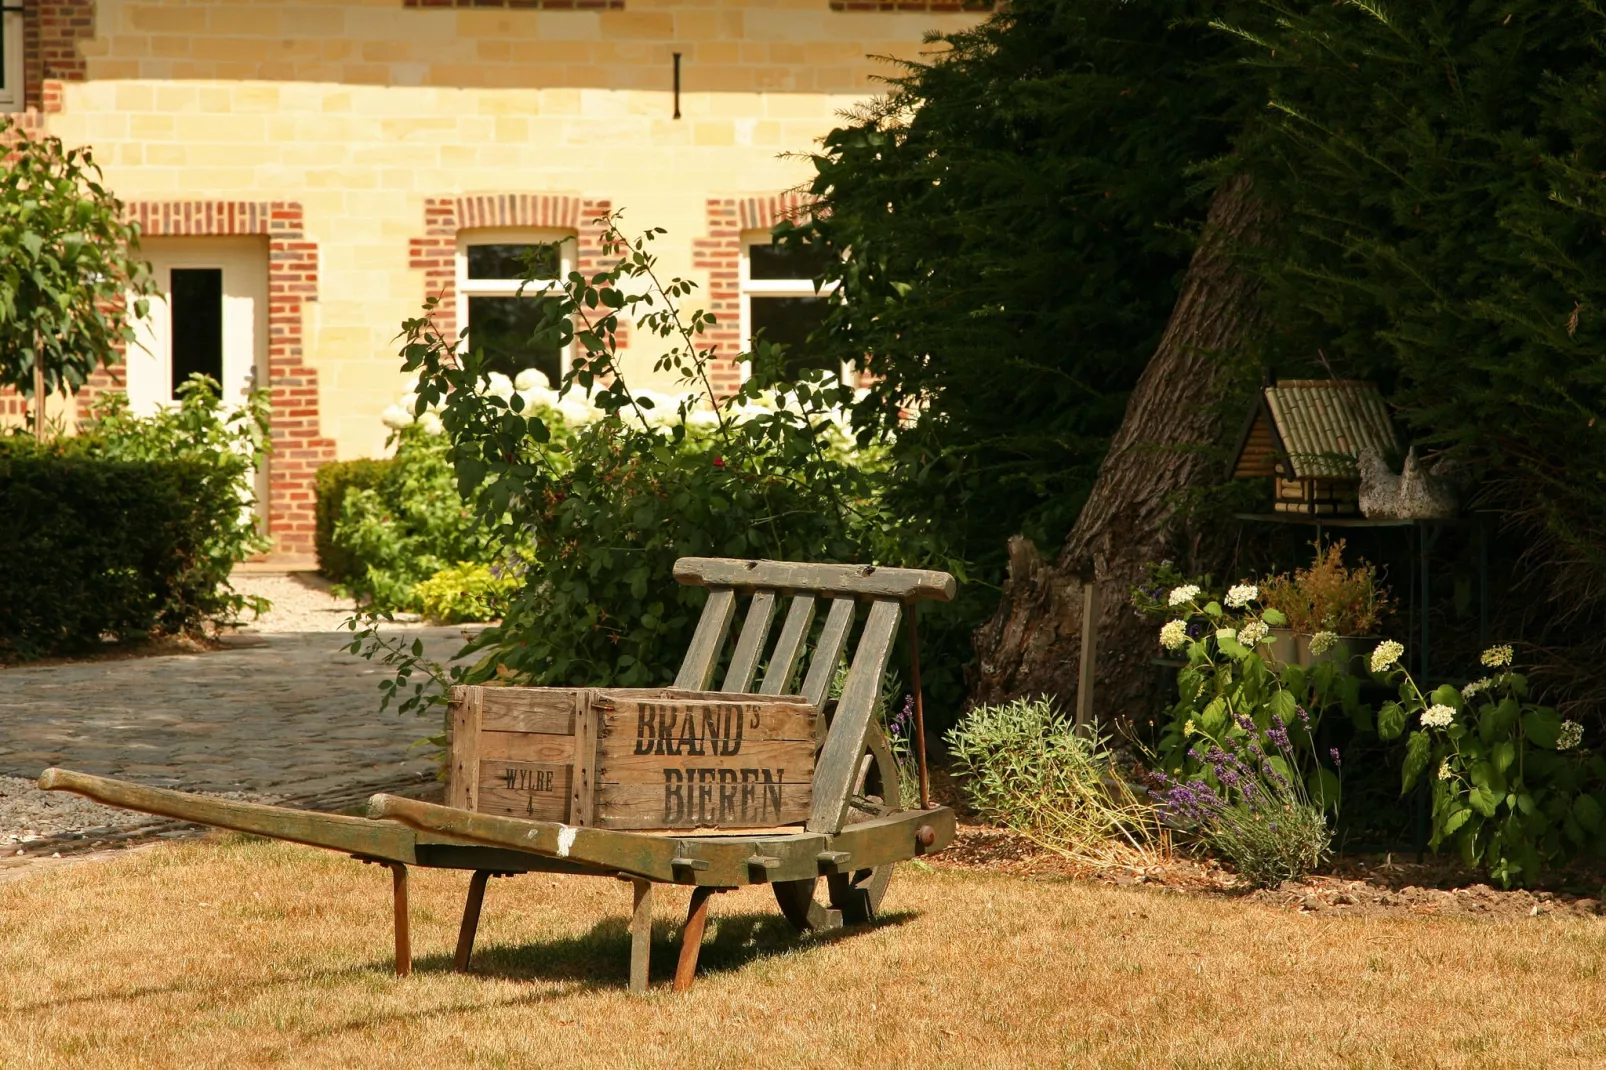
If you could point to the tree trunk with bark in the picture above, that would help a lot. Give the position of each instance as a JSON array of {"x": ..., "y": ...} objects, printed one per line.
[{"x": 1162, "y": 449}]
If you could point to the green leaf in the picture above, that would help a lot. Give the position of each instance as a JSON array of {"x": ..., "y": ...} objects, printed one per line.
[
  {"x": 1454, "y": 822},
  {"x": 1213, "y": 610},
  {"x": 1483, "y": 801},
  {"x": 1505, "y": 752},
  {"x": 1283, "y": 705},
  {"x": 1445, "y": 695},
  {"x": 1390, "y": 721},
  {"x": 1324, "y": 788},
  {"x": 1587, "y": 812},
  {"x": 1275, "y": 618},
  {"x": 1418, "y": 751},
  {"x": 1542, "y": 725}
]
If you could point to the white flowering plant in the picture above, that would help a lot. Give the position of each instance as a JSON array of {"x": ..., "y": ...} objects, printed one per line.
[
  {"x": 1516, "y": 789},
  {"x": 1231, "y": 692}
]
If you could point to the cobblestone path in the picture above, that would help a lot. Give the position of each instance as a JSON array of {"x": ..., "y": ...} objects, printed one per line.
[
  {"x": 275, "y": 714},
  {"x": 284, "y": 713}
]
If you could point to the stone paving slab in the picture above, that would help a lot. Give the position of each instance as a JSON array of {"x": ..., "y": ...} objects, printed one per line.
[{"x": 286, "y": 714}]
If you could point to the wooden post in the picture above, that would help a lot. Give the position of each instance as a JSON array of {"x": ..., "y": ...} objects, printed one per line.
[
  {"x": 920, "y": 711},
  {"x": 1084, "y": 679},
  {"x": 641, "y": 936},
  {"x": 691, "y": 937},
  {"x": 38, "y": 392},
  {"x": 404, "y": 939},
  {"x": 471, "y": 920}
]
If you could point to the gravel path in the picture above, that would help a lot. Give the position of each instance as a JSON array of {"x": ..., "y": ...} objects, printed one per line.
[{"x": 282, "y": 714}]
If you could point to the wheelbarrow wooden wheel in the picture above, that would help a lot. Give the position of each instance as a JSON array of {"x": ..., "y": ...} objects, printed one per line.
[{"x": 853, "y": 896}]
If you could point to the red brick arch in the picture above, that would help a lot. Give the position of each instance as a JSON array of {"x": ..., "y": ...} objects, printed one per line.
[{"x": 435, "y": 252}]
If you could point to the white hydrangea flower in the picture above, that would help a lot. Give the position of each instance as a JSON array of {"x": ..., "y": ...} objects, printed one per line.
[
  {"x": 1437, "y": 715},
  {"x": 1253, "y": 632},
  {"x": 1497, "y": 657},
  {"x": 530, "y": 378},
  {"x": 1322, "y": 642},
  {"x": 1571, "y": 734},
  {"x": 1444, "y": 770},
  {"x": 395, "y": 417},
  {"x": 1241, "y": 595},
  {"x": 1174, "y": 635},
  {"x": 1181, "y": 596},
  {"x": 431, "y": 423},
  {"x": 1476, "y": 687},
  {"x": 500, "y": 385},
  {"x": 575, "y": 411},
  {"x": 1386, "y": 655}
]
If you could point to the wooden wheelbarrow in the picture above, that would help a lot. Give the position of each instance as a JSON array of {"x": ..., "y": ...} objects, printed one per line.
[{"x": 678, "y": 785}]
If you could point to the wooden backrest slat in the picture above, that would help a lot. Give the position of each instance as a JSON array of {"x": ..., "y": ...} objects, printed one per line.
[
  {"x": 828, "y": 651},
  {"x": 862, "y": 581},
  {"x": 750, "y": 644},
  {"x": 784, "y": 660},
  {"x": 838, "y": 766},
  {"x": 698, "y": 666}
]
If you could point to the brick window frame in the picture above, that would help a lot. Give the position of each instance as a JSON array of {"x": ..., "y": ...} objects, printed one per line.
[
  {"x": 720, "y": 254},
  {"x": 295, "y": 409},
  {"x": 435, "y": 251}
]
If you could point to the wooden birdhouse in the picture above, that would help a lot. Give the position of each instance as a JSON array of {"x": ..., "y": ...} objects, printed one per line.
[{"x": 1306, "y": 434}]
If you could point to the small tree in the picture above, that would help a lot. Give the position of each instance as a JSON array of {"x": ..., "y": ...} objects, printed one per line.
[{"x": 71, "y": 279}]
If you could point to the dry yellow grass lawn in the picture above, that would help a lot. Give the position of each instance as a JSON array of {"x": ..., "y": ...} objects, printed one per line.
[{"x": 244, "y": 953}]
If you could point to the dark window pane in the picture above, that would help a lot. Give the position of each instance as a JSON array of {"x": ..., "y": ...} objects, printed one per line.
[
  {"x": 785, "y": 262},
  {"x": 195, "y": 299},
  {"x": 510, "y": 261},
  {"x": 789, "y": 321},
  {"x": 502, "y": 328}
]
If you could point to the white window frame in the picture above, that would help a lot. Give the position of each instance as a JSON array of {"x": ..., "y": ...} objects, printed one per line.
[
  {"x": 13, "y": 27},
  {"x": 751, "y": 288},
  {"x": 467, "y": 287}
]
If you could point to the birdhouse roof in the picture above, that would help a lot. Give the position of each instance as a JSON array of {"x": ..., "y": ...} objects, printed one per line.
[{"x": 1318, "y": 427}]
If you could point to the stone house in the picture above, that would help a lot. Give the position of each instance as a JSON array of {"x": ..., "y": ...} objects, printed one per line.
[{"x": 308, "y": 171}]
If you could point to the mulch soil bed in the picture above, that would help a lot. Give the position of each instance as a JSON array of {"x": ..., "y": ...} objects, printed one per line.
[{"x": 1353, "y": 884}]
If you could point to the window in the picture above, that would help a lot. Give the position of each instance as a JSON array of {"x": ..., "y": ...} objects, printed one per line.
[
  {"x": 196, "y": 300},
  {"x": 501, "y": 320},
  {"x": 779, "y": 301},
  {"x": 11, "y": 70}
]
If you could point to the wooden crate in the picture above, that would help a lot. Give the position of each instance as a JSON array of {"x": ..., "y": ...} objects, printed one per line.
[{"x": 632, "y": 758}]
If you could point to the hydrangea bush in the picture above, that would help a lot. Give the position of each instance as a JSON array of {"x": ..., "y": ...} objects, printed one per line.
[{"x": 1514, "y": 789}]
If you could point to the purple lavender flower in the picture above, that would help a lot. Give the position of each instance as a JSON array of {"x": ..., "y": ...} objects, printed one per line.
[{"x": 1333, "y": 752}]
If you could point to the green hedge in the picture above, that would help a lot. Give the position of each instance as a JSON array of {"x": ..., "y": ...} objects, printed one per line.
[
  {"x": 92, "y": 547},
  {"x": 333, "y": 481}
]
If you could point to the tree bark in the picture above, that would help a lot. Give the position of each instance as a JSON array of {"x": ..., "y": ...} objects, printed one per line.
[{"x": 1162, "y": 449}]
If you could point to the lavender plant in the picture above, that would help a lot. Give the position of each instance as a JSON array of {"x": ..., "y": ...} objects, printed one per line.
[{"x": 1246, "y": 807}]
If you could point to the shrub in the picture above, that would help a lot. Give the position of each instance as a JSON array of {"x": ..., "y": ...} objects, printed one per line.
[
  {"x": 405, "y": 525},
  {"x": 1028, "y": 769},
  {"x": 129, "y": 529},
  {"x": 468, "y": 592},
  {"x": 611, "y": 504},
  {"x": 332, "y": 483}
]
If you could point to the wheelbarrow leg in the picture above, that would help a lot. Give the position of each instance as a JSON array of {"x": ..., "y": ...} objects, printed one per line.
[
  {"x": 691, "y": 938},
  {"x": 404, "y": 939},
  {"x": 640, "y": 936},
  {"x": 471, "y": 919}
]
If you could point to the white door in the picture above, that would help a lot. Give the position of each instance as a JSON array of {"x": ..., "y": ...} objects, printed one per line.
[{"x": 210, "y": 315}]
